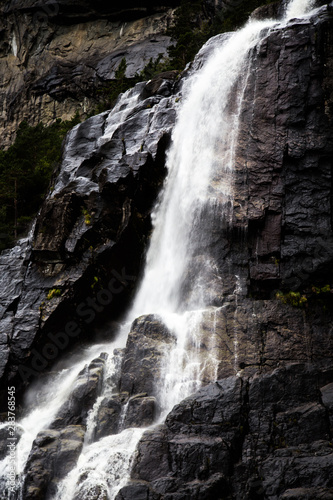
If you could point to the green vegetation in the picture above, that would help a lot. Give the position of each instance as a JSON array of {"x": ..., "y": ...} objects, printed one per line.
[
  {"x": 190, "y": 31},
  {"x": 318, "y": 290},
  {"x": 95, "y": 282},
  {"x": 25, "y": 173},
  {"x": 320, "y": 295},
  {"x": 87, "y": 216},
  {"x": 294, "y": 299},
  {"x": 55, "y": 292}
]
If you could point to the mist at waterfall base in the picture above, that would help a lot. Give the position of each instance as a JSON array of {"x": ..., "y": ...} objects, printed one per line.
[{"x": 197, "y": 195}]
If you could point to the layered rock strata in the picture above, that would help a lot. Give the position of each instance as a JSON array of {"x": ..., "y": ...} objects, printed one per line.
[{"x": 55, "y": 58}]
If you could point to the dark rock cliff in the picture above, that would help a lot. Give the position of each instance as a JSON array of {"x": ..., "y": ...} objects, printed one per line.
[
  {"x": 264, "y": 430},
  {"x": 268, "y": 437}
]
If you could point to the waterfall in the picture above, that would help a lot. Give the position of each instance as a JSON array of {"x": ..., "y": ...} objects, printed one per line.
[
  {"x": 200, "y": 165},
  {"x": 297, "y": 8},
  {"x": 200, "y": 182},
  {"x": 174, "y": 285},
  {"x": 49, "y": 399}
]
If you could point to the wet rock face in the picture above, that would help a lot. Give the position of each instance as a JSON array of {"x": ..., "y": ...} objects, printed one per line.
[
  {"x": 141, "y": 411},
  {"x": 133, "y": 401},
  {"x": 90, "y": 235},
  {"x": 284, "y": 167},
  {"x": 108, "y": 416},
  {"x": 147, "y": 342},
  {"x": 55, "y": 56},
  {"x": 197, "y": 429},
  {"x": 241, "y": 438},
  {"x": 81, "y": 400},
  {"x": 298, "y": 453}
]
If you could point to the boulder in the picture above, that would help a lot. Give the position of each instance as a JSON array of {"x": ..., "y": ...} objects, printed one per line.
[
  {"x": 54, "y": 453},
  {"x": 83, "y": 396},
  {"x": 140, "y": 411},
  {"x": 108, "y": 416},
  {"x": 147, "y": 342}
]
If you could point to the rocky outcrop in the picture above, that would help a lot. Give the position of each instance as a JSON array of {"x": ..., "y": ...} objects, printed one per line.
[
  {"x": 288, "y": 151},
  {"x": 146, "y": 344},
  {"x": 54, "y": 453},
  {"x": 281, "y": 231},
  {"x": 55, "y": 58},
  {"x": 264, "y": 437},
  {"x": 90, "y": 235}
]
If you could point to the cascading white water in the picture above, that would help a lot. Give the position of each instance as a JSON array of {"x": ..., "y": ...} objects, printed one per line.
[
  {"x": 202, "y": 146},
  {"x": 49, "y": 399},
  {"x": 105, "y": 465},
  {"x": 200, "y": 164},
  {"x": 298, "y": 8}
]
